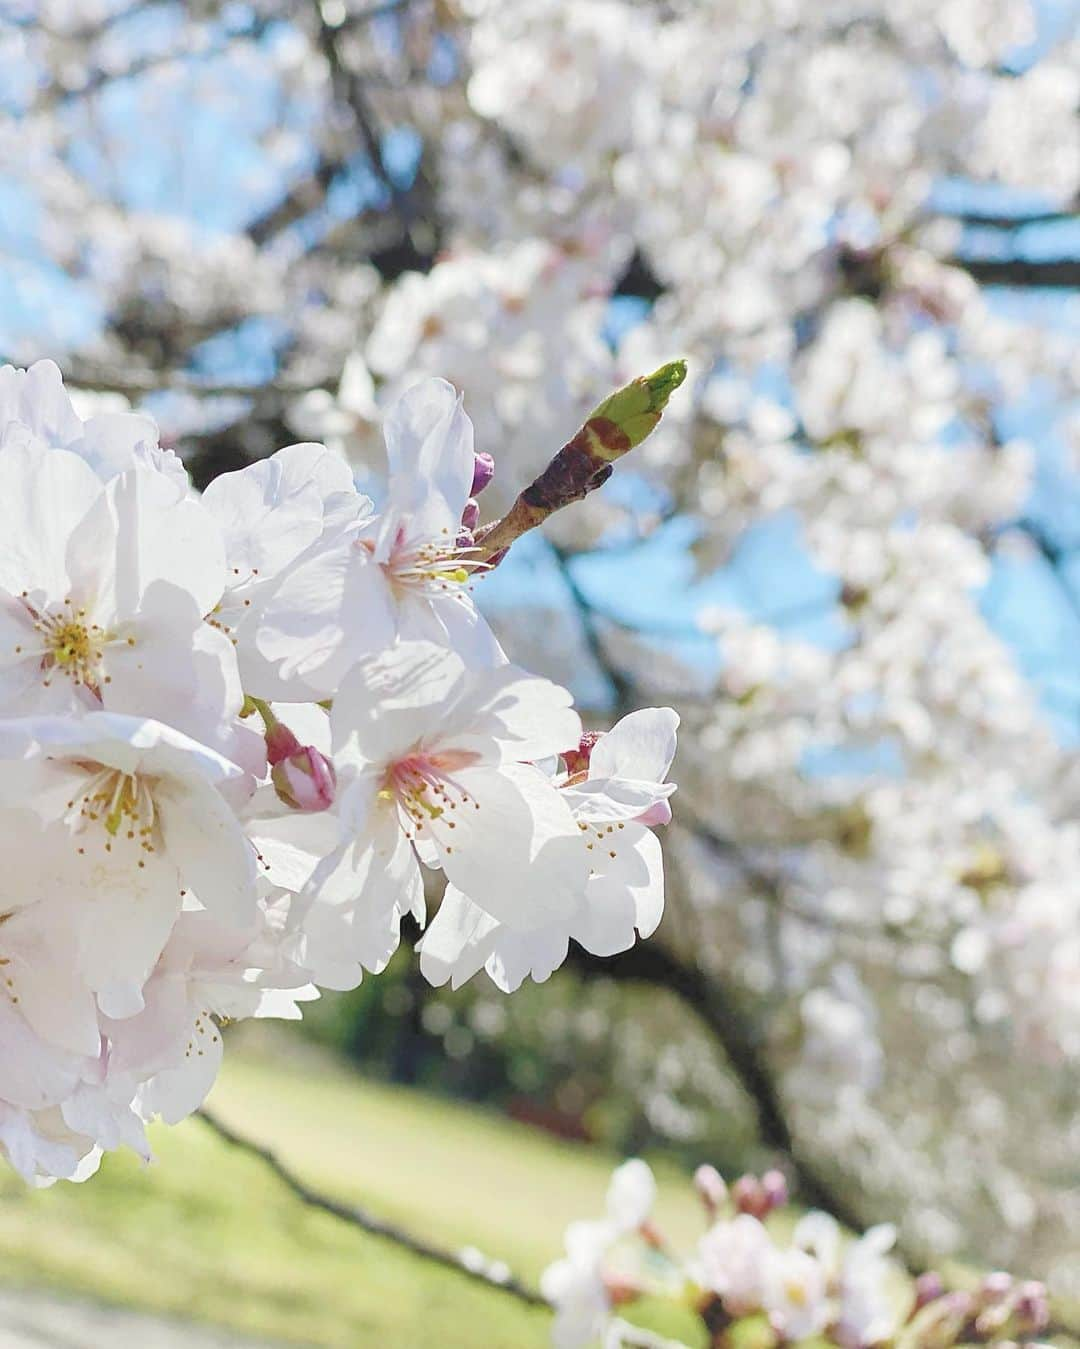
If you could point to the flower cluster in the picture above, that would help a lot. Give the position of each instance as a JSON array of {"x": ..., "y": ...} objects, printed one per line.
[
  {"x": 237, "y": 731},
  {"x": 882, "y": 859},
  {"x": 798, "y": 1279}
]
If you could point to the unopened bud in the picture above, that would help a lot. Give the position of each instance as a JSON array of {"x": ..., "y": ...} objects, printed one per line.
[
  {"x": 774, "y": 1183},
  {"x": 634, "y": 410},
  {"x": 995, "y": 1287},
  {"x": 577, "y": 759},
  {"x": 748, "y": 1195},
  {"x": 1032, "y": 1308},
  {"x": 470, "y": 516},
  {"x": 942, "y": 1322},
  {"x": 305, "y": 780},
  {"x": 302, "y": 776},
  {"x": 709, "y": 1183},
  {"x": 483, "y": 472},
  {"x": 928, "y": 1288}
]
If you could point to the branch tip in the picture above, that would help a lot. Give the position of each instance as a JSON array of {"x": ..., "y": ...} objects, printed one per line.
[{"x": 621, "y": 422}]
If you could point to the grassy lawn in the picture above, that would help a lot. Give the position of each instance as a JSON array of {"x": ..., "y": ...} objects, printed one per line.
[{"x": 208, "y": 1233}]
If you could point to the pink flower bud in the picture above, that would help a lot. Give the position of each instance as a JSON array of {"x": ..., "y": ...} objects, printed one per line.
[
  {"x": 775, "y": 1185},
  {"x": 748, "y": 1195},
  {"x": 302, "y": 776},
  {"x": 928, "y": 1288},
  {"x": 995, "y": 1287},
  {"x": 470, "y": 516},
  {"x": 1032, "y": 1308},
  {"x": 305, "y": 780},
  {"x": 483, "y": 472},
  {"x": 709, "y": 1183}
]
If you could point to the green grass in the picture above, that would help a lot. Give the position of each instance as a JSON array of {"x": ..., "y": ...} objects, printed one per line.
[{"x": 207, "y": 1232}]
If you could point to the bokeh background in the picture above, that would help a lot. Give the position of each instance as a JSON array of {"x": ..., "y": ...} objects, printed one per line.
[{"x": 851, "y": 558}]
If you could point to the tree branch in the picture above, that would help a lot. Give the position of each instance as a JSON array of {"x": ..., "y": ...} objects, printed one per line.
[
  {"x": 649, "y": 963},
  {"x": 997, "y": 221},
  {"x": 1055, "y": 273},
  {"x": 480, "y": 1270},
  {"x": 100, "y": 379}
]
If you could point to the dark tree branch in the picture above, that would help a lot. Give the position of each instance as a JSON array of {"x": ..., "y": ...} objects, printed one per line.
[
  {"x": 270, "y": 396},
  {"x": 1055, "y": 273},
  {"x": 649, "y": 963},
  {"x": 367, "y": 1222},
  {"x": 300, "y": 200},
  {"x": 1014, "y": 222},
  {"x": 348, "y": 88},
  {"x": 377, "y": 11}
]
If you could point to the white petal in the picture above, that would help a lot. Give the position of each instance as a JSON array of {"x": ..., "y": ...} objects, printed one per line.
[
  {"x": 511, "y": 845},
  {"x": 206, "y": 844},
  {"x": 429, "y": 444},
  {"x": 388, "y": 704},
  {"x": 600, "y": 799},
  {"x": 640, "y": 747},
  {"x": 631, "y": 1194},
  {"x": 33, "y": 1074},
  {"x": 517, "y": 956},
  {"x": 457, "y": 942},
  {"x": 625, "y": 894},
  {"x": 329, "y": 609},
  {"x": 43, "y": 497},
  {"x": 39, "y": 945},
  {"x": 177, "y": 1092},
  {"x": 357, "y": 898},
  {"x": 160, "y": 538},
  {"x": 268, "y": 515},
  {"x": 507, "y": 714},
  {"x": 111, "y": 440}
]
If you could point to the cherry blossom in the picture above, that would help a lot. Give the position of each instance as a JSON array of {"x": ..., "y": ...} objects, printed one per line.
[
  {"x": 223, "y": 776},
  {"x": 615, "y": 789}
]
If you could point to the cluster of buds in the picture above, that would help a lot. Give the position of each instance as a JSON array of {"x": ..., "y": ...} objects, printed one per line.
[
  {"x": 760, "y": 1196},
  {"x": 1001, "y": 1311},
  {"x": 757, "y": 1196}
]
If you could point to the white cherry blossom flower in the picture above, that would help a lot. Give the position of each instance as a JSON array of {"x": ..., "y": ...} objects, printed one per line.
[
  {"x": 37, "y": 413},
  {"x": 103, "y": 589},
  {"x": 271, "y": 514},
  {"x": 430, "y": 760},
  {"x": 403, "y": 575},
  {"x": 619, "y": 792},
  {"x": 577, "y": 1285},
  {"x": 733, "y": 1260},
  {"x": 132, "y": 818}
]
